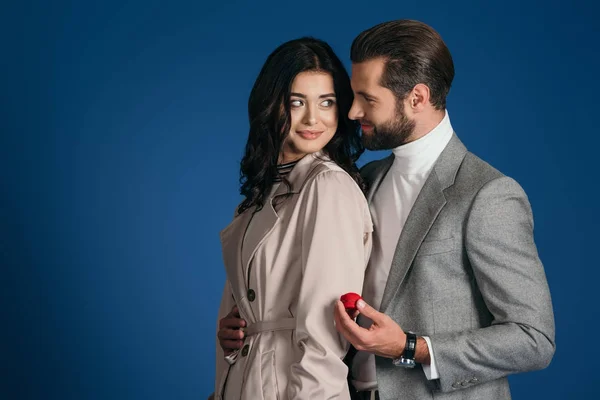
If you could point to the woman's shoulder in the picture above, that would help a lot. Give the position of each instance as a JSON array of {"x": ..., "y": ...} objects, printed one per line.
[
  {"x": 324, "y": 164},
  {"x": 334, "y": 187},
  {"x": 326, "y": 175}
]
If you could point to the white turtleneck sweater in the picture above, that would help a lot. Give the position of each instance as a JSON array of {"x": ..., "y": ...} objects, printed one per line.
[{"x": 390, "y": 207}]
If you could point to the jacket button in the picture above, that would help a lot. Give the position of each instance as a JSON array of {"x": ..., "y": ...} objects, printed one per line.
[
  {"x": 456, "y": 385},
  {"x": 474, "y": 380},
  {"x": 245, "y": 350},
  {"x": 464, "y": 383},
  {"x": 251, "y": 295}
]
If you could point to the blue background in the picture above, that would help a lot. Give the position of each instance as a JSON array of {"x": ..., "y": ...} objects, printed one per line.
[{"x": 123, "y": 124}]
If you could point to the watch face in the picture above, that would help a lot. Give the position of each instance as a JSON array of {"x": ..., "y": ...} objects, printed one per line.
[{"x": 404, "y": 362}]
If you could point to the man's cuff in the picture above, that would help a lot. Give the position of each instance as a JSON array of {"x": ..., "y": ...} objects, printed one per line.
[{"x": 431, "y": 371}]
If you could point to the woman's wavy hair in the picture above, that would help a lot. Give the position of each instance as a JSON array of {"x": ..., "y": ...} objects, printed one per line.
[{"x": 270, "y": 120}]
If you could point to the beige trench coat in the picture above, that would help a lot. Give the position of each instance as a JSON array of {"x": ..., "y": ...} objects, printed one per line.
[{"x": 305, "y": 251}]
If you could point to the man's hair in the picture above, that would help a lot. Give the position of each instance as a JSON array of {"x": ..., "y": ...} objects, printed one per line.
[{"x": 413, "y": 53}]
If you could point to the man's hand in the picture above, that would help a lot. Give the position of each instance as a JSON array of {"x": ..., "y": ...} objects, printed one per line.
[
  {"x": 230, "y": 333},
  {"x": 384, "y": 338}
]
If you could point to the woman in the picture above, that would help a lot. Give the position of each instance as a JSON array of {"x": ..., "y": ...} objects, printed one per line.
[{"x": 302, "y": 236}]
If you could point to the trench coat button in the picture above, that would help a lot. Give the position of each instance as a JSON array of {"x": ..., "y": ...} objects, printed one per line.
[
  {"x": 456, "y": 385},
  {"x": 245, "y": 350},
  {"x": 474, "y": 380},
  {"x": 251, "y": 295},
  {"x": 464, "y": 383}
]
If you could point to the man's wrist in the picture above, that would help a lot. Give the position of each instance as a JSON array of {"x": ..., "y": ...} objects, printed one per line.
[
  {"x": 407, "y": 357},
  {"x": 422, "y": 355}
]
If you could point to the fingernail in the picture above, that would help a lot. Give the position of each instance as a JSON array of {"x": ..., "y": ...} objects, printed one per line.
[{"x": 360, "y": 304}]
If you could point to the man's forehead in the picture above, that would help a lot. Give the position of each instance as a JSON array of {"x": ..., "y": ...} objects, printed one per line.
[{"x": 368, "y": 71}]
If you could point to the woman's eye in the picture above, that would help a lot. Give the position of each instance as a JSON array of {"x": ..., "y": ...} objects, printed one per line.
[{"x": 296, "y": 103}]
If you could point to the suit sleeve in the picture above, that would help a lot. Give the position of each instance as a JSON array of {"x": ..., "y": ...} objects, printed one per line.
[
  {"x": 336, "y": 242},
  {"x": 221, "y": 365},
  {"x": 509, "y": 274}
]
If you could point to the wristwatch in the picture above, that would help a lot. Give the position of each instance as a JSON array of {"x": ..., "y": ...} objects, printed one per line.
[{"x": 407, "y": 359}]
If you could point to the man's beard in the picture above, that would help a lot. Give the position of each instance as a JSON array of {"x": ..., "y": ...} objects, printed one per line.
[{"x": 390, "y": 134}]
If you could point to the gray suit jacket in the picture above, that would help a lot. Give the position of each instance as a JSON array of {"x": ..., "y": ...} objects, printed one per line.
[{"x": 467, "y": 274}]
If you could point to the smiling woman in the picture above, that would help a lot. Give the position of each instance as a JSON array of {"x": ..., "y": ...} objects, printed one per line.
[
  {"x": 314, "y": 115},
  {"x": 300, "y": 239},
  {"x": 278, "y": 107}
]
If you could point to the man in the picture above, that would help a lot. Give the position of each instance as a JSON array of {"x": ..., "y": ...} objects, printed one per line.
[
  {"x": 455, "y": 295},
  {"x": 454, "y": 260}
]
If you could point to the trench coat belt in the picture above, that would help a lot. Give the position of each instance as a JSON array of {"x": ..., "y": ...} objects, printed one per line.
[{"x": 271, "y": 326}]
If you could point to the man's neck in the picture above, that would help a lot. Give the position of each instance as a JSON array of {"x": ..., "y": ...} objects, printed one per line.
[{"x": 427, "y": 123}]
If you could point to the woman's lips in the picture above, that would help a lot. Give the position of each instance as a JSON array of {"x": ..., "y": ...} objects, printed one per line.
[{"x": 309, "y": 134}]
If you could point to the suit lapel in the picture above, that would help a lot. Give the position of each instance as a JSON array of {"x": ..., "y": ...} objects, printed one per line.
[
  {"x": 426, "y": 208},
  {"x": 429, "y": 202}
]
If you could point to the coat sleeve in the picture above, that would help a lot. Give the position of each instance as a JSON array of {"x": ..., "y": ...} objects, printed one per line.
[
  {"x": 509, "y": 274},
  {"x": 336, "y": 241},
  {"x": 221, "y": 365}
]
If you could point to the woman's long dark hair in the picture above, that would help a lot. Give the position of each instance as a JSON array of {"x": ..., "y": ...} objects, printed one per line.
[{"x": 270, "y": 121}]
